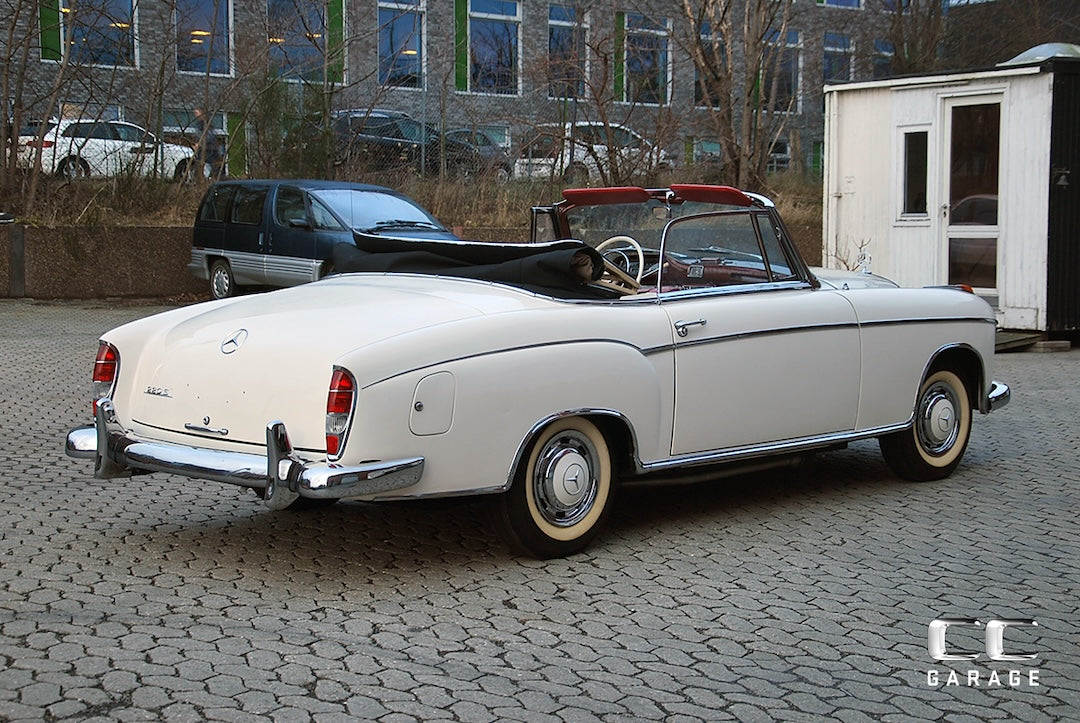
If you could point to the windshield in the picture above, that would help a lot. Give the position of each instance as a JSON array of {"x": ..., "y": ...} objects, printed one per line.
[
  {"x": 643, "y": 221},
  {"x": 371, "y": 210}
]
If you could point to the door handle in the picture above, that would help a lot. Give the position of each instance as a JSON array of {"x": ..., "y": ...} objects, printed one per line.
[{"x": 682, "y": 328}]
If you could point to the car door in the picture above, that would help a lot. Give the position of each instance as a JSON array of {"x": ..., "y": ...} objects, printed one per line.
[
  {"x": 108, "y": 150},
  {"x": 761, "y": 355},
  {"x": 93, "y": 142},
  {"x": 329, "y": 231},
  {"x": 244, "y": 236},
  {"x": 135, "y": 149}
]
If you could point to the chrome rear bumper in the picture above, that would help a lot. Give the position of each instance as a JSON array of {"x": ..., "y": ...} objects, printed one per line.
[
  {"x": 998, "y": 397},
  {"x": 280, "y": 473}
]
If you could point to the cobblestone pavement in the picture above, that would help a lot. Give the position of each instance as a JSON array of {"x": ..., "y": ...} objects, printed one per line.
[{"x": 799, "y": 596}]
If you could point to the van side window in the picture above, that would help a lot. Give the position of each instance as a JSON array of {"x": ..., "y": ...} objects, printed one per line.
[
  {"x": 289, "y": 206},
  {"x": 216, "y": 203},
  {"x": 248, "y": 207}
]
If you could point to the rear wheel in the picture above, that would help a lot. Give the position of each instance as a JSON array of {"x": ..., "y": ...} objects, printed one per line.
[
  {"x": 73, "y": 167},
  {"x": 561, "y": 492},
  {"x": 934, "y": 445},
  {"x": 222, "y": 283}
]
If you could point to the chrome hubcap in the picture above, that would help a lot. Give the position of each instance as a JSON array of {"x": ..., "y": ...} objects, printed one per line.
[
  {"x": 938, "y": 423},
  {"x": 564, "y": 480},
  {"x": 221, "y": 284}
]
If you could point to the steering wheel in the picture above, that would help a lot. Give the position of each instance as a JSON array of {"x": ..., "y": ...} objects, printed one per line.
[{"x": 632, "y": 243}]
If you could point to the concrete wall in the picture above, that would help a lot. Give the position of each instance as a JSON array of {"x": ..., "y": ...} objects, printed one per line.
[{"x": 86, "y": 263}]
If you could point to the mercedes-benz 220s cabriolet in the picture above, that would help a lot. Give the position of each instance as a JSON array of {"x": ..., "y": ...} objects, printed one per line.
[{"x": 641, "y": 333}]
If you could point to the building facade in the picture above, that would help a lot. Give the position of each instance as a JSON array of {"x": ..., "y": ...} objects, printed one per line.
[{"x": 502, "y": 66}]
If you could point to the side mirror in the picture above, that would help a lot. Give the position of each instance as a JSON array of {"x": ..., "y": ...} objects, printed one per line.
[{"x": 299, "y": 223}]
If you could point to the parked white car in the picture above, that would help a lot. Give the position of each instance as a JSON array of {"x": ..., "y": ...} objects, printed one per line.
[
  {"x": 588, "y": 152},
  {"x": 78, "y": 148},
  {"x": 679, "y": 330}
]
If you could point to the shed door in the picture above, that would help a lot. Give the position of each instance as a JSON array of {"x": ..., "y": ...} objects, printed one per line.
[{"x": 971, "y": 192}]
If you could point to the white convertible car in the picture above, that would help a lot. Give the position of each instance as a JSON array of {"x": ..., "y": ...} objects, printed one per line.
[{"x": 642, "y": 333}]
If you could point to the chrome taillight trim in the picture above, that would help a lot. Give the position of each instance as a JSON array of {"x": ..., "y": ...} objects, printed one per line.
[{"x": 342, "y": 437}]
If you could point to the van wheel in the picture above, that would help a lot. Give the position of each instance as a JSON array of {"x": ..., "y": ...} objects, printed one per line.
[
  {"x": 222, "y": 283},
  {"x": 561, "y": 492}
]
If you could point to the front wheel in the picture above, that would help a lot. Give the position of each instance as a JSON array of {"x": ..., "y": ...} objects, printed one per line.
[
  {"x": 934, "y": 445},
  {"x": 561, "y": 491},
  {"x": 222, "y": 283}
]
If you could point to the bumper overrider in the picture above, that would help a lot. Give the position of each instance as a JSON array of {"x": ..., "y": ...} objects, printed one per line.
[
  {"x": 998, "y": 396},
  {"x": 280, "y": 473}
]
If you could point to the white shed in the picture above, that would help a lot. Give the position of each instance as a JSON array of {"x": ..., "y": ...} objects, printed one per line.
[{"x": 963, "y": 178}]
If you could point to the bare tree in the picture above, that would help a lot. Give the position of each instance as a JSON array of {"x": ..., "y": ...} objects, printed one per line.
[
  {"x": 916, "y": 30},
  {"x": 593, "y": 84},
  {"x": 747, "y": 77}
]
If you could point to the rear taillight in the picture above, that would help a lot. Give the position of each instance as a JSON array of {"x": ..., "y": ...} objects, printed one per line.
[
  {"x": 106, "y": 367},
  {"x": 339, "y": 408}
]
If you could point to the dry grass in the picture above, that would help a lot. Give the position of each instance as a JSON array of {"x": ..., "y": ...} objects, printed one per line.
[{"x": 121, "y": 201}]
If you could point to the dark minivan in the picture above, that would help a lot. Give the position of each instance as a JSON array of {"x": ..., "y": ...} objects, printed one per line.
[{"x": 282, "y": 232}]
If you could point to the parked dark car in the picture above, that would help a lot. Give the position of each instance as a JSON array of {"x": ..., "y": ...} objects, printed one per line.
[
  {"x": 496, "y": 162},
  {"x": 282, "y": 232},
  {"x": 388, "y": 140}
]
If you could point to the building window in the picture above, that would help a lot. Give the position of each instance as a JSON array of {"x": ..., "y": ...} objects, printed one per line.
[
  {"x": 306, "y": 39},
  {"x": 779, "y": 157},
  {"x": 567, "y": 26},
  {"x": 102, "y": 31},
  {"x": 708, "y": 90},
  {"x": 704, "y": 151},
  {"x": 202, "y": 36},
  {"x": 915, "y": 171},
  {"x": 781, "y": 87},
  {"x": 401, "y": 46},
  {"x": 840, "y": 3},
  {"x": 643, "y": 59},
  {"x": 487, "y": 38},
  {"x": 884, "y": 52},
  {"x": 837, "y": 60}
]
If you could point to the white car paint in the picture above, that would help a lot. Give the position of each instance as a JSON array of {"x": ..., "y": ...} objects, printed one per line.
[
  {"x": 743, "y": 360},
  {"x": 103, "y": 148}
]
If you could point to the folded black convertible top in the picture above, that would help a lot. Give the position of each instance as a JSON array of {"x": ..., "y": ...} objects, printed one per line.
[{"x": 558, "y": 268}]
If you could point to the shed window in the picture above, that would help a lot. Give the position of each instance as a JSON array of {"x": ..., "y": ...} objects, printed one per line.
[{"x": 915, "y": 164}]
